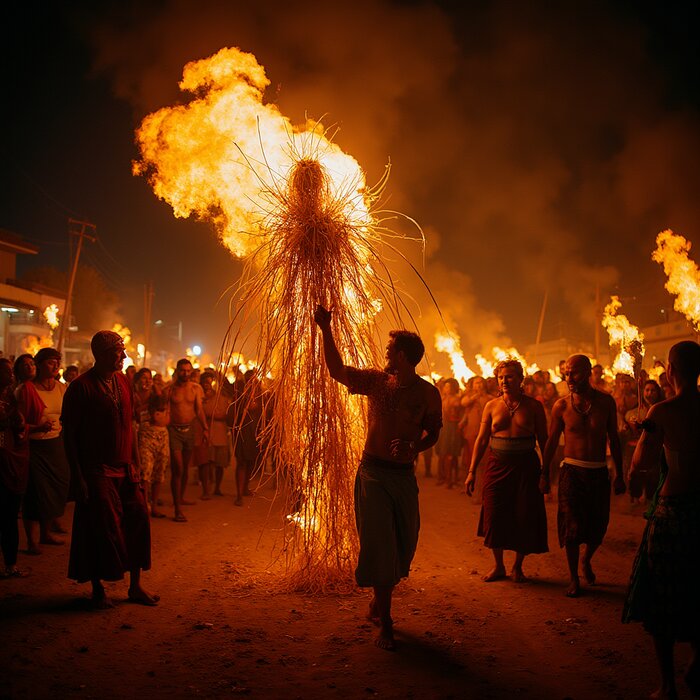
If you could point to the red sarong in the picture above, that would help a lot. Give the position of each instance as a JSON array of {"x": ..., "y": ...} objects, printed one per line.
[
  {"x": 111, "y": 531},
  {"x": 513, "y": 515}
]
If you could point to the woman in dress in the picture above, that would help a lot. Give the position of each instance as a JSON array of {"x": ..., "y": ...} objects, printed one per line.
[{"x": 40, "y": 400}]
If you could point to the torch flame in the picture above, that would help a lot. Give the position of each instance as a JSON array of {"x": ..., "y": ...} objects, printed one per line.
[
  {"x": 625, "y": 336},
  {"x": 51, "y": 316},
  {"x": 683, "y": 274},
  {"x": 450, "y": 344}
]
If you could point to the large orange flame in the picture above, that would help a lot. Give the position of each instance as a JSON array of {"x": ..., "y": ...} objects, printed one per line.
[
  {"x": 683, "y": 274},
  {"x": 624, "y": 336},
  {"x": 209, "y": 157}
]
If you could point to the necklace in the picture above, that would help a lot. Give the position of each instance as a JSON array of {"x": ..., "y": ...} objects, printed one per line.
[
  {"x": 582, "y": 412},
  {"x": 111, "y": 388},
  {"x": 512, "y": 409}
]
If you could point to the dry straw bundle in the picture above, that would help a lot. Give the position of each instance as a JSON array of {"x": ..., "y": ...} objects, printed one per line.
[{"x": 319, "y": 245}]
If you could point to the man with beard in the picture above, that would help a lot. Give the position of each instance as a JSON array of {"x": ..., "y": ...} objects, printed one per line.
[
  {"x": 588, "y": 420},
  {"x": 111, "y": 528},
  {"x": 404, "y": 418}
]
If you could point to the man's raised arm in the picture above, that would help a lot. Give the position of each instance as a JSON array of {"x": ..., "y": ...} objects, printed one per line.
[{"x": 334, "y": 361}]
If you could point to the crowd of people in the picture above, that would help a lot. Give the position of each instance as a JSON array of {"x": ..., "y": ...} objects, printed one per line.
[
  {"x": 463, "y": 408},
  {"x": 106, "y": 438},
  {"x": 192, "y": 427}
]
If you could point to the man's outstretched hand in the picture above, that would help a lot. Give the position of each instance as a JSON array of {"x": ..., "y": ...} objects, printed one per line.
[{"x": 322, "y": 316}]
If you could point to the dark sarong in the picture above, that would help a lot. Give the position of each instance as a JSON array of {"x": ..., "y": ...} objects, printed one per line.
[
  {"x": 584, "y": 505},
  {"x": 111, "y": 531},
  {"x": 663, "y": 591},
  {"x": 388, "y": 521},
  {"x": 513, "y": 515},
  {"x": 49, "y": 480}
]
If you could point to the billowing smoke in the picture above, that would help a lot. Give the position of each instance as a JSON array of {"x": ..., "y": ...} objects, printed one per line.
[{"x": 533, "y": 137}]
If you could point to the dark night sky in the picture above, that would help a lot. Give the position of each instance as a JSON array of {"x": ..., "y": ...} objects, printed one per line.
[{"x": 538, "y": 146}]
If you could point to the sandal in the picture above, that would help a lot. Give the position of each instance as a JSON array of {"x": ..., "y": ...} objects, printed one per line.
[{"x": 180, "y": 518}]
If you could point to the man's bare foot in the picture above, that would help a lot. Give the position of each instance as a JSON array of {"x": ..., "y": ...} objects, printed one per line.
[
  {"x": 49, "y": 539},
  {"x": 156, "y": 513},
  {"x": 496, "y": 574},
  {"x": 180, "y": 518},
  {"x": 588, "y": 573},
  {"x": 138, "y": 595},
  {"x": 517, "y": 575},
  {"x": 574, "y": 589},
  {"x": 101, "y": 601},
  {"x": 373, "y": 613},
  {"x": 183, "y": 502},
  {"x": 238, "y": 501},
  {"x": 205, "y": 497},
  {"x": 385, "y": 639}
]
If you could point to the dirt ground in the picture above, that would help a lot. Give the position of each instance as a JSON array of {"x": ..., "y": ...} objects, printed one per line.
[{"x": 222, "y": 628}]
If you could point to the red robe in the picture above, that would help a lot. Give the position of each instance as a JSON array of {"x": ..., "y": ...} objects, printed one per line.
[{"x": 111, "y": 530}]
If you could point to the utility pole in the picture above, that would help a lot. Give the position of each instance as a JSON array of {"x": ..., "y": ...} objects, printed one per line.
[
  {"x": 596, "y": 323},
  {"x": 148, "y": 295},
  {"x": 65, "y": 323},
  {"x": 541, "y": 323}
]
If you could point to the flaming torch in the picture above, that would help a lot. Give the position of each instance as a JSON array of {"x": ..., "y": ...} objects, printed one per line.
[
  {"x": 450, "y": 344},
  {"x": 297, "y": 209},
  {"x": 683, "y": 274},
  {"x": 629, "y": 339},
  {"x": 51, "y": 316}
]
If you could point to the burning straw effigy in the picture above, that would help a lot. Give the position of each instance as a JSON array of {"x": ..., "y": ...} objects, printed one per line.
[{"x": 299, "y": 211}]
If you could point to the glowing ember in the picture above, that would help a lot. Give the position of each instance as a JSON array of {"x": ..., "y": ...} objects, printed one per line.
[
  {"x": 683, "y": 274},
  {"x": 450, "y": 344},
  {"x": 625, "y": 336},
  {"x": 51, "y": 316}
]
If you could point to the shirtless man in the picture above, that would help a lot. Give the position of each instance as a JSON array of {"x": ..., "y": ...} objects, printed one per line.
[
  {"x": 588, "y": 420},
  {"x": 663, "y": 593},
  {"x": 449, "y": 446},
  {"x": 185, "y": 401},
  {"x": 404, "y": 418}
]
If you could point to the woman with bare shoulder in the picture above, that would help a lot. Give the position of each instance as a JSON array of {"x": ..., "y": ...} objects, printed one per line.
[{"x": 513, "y": 515}]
